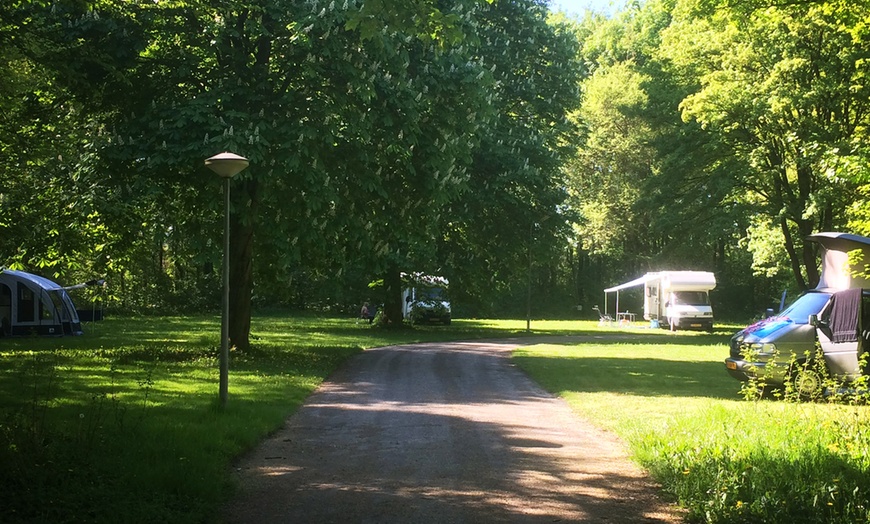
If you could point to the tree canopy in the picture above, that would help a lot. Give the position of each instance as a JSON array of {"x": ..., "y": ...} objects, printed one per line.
[{"x": 527, "y": 157}]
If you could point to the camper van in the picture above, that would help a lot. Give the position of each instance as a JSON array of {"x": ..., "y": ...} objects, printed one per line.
[
  {"x": 778, "y": 348},
  {"x": 675, "y": 299},
  {"x": 31, "y": 304},
  {"x": 681, "y": 299},
  {"x": 424, "y": 299}
]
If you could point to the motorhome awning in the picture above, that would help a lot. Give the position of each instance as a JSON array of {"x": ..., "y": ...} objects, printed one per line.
[{"x": 636, "y": 282}]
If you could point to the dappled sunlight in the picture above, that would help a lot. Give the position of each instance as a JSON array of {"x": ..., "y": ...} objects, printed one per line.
[
  {"x": 373, "y": 437},
  {"x": 312, "y": 462}
]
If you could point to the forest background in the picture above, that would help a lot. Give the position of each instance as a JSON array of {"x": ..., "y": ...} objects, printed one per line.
[{"x": 532, "y": 158}]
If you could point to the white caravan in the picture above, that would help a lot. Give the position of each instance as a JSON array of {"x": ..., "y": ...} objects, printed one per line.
[{"x": 674, "y": 299}]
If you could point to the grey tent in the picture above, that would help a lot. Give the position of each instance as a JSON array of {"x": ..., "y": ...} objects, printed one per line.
[{"x": 31, "y": 304}]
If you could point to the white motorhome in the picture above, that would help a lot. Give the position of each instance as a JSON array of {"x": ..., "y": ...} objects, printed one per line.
[
  {"x": 675, "y": 299},
  {"x": 679, "y": 298},
  {"x": 424, "y": 299}
]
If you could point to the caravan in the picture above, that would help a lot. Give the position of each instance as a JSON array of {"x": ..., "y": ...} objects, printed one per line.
[{"x": 31, "y": 304}]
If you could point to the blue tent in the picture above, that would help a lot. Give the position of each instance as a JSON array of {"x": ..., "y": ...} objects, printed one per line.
[{"x": 31, "y": 304}]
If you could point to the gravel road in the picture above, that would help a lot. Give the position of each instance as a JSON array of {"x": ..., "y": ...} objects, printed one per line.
[{"x": 440, "y": 433}]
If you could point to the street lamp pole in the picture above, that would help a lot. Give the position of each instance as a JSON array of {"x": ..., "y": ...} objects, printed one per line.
[
  {"x": 529, "y": 286},
  {"x": 226, "y": 165}
]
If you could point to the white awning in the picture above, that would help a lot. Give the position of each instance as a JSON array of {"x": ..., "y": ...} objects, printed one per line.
[{"x": 636, "y": 282}]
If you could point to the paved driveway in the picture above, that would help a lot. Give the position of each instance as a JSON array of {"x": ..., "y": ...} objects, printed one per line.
[{"x": 440, "y": 433}]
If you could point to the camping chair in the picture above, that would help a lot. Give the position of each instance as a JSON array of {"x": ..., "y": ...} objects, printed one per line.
[{"x": 603, "y": 320}]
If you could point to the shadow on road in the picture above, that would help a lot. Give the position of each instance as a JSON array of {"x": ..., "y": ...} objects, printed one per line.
[{"x": 440, "y": 433}]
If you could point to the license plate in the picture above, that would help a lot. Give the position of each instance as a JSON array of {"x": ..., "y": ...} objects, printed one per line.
[
  {"x": 731, "y": 365},
  {"x": 696, "y": 325}
]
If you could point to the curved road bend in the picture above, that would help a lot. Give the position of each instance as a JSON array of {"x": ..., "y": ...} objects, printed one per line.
[{"x": 440, "y": 433}]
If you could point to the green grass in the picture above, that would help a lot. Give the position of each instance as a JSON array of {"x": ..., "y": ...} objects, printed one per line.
[
  {"x": 727, "y": 460},
  {"x": 122, "y": 424}
]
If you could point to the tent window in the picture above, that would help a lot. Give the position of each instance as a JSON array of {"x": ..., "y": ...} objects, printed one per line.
[
  {"x": 26, "y": 304},
  {"x": 45, "y": 313},
  {"x": 57, "y": 300}
]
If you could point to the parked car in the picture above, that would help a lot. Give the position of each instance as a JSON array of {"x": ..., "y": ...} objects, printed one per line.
[{"x": 779, "y": 348}]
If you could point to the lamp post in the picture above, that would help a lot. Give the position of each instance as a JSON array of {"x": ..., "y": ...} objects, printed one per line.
[
  {"x": 529, "y": 284},
  {"x": 226, "y": 165}
]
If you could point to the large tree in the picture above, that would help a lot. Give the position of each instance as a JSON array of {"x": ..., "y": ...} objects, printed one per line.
[
  {"x": 639, "y": 180},
  {"x": 512, "y": 214},
  {"x": 786, "y": 88},
  {"x": 339, "y": 106}
]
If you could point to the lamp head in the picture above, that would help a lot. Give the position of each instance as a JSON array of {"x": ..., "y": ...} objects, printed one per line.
[{"x": 226, "y": 164}]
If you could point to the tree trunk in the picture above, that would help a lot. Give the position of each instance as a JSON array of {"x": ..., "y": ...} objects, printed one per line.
[
  {"x": 809, "y": 256},
  {"x": 244, "y": 194},
  {"x": 792, "y": 254},
  {"x": 393, "y": 296}
]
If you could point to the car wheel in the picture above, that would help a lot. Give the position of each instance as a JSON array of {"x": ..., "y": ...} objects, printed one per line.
[{"x": 807, "y": 381}]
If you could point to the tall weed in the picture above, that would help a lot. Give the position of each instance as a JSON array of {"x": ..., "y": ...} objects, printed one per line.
[{"x": 776, "y": 463}]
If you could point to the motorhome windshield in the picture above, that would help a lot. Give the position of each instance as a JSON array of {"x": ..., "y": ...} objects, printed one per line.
[
  {"x": 691, "y": 298},
  {"x": 431, "y": 294},
  {"x": 803, "y": 307}
]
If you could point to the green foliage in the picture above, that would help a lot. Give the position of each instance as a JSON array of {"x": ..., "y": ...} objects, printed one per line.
[
  {"x": 725, "y": 460},
  {"x": 428, "y": 136},
  {"x": 717, "y": 127},
  {"x": 339, "y": 106},
  {"x": 512, "y": 214},
  {"x": 777, "y": 467},
  {"x": 786, "y": 104},
  {"x": 638, "y": 180}
]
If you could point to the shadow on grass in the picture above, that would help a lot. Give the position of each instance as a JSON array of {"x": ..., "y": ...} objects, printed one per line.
[
  {"x": 645, "y": 337},
  {"x": 634, "y": 376}
]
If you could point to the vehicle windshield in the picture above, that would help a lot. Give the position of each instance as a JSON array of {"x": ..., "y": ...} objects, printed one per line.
[
  {"x": 804, "y": 306},
  {"x": 691, "y": 298},
  {"x": 431, "y": 294}
]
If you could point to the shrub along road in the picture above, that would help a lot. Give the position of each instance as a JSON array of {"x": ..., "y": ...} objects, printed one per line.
[{"x": 440, "y": 432}]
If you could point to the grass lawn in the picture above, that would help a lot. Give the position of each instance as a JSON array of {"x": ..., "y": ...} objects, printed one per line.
[
  {"x": 728, "y": 460},
  {"x": 122, "y": 424}
]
